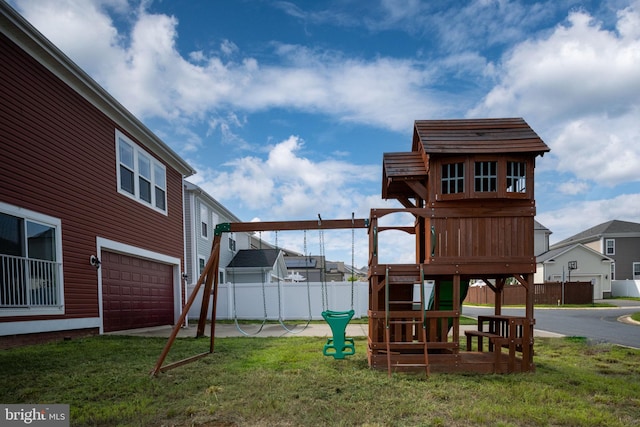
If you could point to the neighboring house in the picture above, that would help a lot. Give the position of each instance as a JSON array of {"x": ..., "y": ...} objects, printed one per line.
[
  {"x": 618, "y": 240},
  {"x": 576, "y": 263},
  {"x": 257, "y": 266},
  {"x": 311, "y": 268},
  {"x": 540, "y": 238},
  {"x": 91, "y": 215},
  {"x": 202, "y": 214}
]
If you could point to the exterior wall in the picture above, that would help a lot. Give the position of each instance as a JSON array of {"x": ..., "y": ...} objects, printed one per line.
[
  {"x": 591, "y": 268},
  {"x": 198, "y": 246},
  {"x": 540, "y": 242},
  {"x": 59, "y": 159},
  {"x": 627, "y": 251},
  {"x": 595, "y": 245}
]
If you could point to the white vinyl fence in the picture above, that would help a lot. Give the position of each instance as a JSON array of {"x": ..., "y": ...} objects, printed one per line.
[
  {"x": 625, "y": 288},
  {"x": 284, "y": 300}
]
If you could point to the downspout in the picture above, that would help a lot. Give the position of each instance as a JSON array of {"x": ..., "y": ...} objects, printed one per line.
[{"x": 184, "y": 256}]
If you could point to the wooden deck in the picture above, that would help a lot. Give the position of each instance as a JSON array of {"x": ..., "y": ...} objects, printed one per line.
[{"x": 462, "y": 362}]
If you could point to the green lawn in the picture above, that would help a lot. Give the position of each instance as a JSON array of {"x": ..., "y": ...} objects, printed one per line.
[{"x": 287, "y": 381}]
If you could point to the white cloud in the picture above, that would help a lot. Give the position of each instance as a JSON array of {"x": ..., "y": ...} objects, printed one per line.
[
  {"x": 144, "y": 70},
  {"x": 582, "y": 86},
  {"x": 573, "y": 187},
  {"x": 288, "y": 185},
  {"x": 579, "y": 216}
]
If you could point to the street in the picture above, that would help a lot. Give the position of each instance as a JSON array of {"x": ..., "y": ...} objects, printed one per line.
[{"x": 596, "y": 324}]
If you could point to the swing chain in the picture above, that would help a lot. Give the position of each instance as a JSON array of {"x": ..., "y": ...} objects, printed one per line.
[{"x": 353, "y": 245}]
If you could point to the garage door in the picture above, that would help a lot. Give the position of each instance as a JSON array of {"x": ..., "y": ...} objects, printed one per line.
[{"x": 136, "y": 293}]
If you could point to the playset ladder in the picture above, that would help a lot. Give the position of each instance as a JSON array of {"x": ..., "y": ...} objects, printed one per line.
[{"x": 394, "y": 317}]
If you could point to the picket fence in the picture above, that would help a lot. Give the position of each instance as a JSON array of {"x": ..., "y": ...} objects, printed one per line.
[{"x": 284, "y": 300}]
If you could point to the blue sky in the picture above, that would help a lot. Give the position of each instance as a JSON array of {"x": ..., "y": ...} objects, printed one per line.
[{"x": 286, "y": 108}]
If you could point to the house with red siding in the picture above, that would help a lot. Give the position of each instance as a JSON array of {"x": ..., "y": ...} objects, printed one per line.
[{"x": 91, "y": 201}]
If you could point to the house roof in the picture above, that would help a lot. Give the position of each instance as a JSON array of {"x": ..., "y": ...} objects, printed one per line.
[
  {"x": 538, "y": 226},
  {"x": 22, "y": 33},
  {"x": 614, "y": 227},
  {"x": 554, "y": 253},
  {"x": 190, "y": 187},
  {"x": 300, "y": 262},
  {"x": 247, "y": 258},
  {"x": 476, "y": 136}
]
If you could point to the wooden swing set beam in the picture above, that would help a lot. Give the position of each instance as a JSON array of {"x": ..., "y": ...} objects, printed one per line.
[{"x": 319, "y": 224}]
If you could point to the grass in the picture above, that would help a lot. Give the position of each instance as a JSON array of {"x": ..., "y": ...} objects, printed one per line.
[
  {"x": 636, "y": 316},
  {"x": 287, "y": 382}
]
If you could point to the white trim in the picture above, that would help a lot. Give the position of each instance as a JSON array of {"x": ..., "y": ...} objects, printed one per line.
[
  {"x": 123, "y": 248},
  {"x": 606, "y": 247},
  {"x": 153, "y": 162},
  {"x": 56, "y": 223},
  {"x": 37, "y": 326}
]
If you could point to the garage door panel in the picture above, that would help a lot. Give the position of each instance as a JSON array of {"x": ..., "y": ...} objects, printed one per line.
[{"x": 137, "y": 293}]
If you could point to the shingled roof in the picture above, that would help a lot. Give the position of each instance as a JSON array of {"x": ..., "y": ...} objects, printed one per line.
[
  {"x": 246, "y": 258},
  {"x": 476, "y": 136},
  {"x": 609, "y": 228}
]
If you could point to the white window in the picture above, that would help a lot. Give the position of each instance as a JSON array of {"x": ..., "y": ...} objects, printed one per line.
[
  {"x": 204, "y": 221},
  {"x": 610, "y": 247},
  {"x": 30, "y": 263},
  {"x": 613, "y": 271},
  {"x": 636, "y": 271},
  {"x": 232, "y": 242},
  {"x": 201, "y": 264},
  {"x": 140, "y": 176}
]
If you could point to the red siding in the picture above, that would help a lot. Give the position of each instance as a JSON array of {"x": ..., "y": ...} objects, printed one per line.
[{"x": 58, "y": 158}]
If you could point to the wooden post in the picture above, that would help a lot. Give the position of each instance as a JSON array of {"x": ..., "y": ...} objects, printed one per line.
[
  {"x": 208, "y": 271},
  {"x": 456, "y": 309},
  {"x": 179, "y": 323},
  {"x": 498, "y": 295}
]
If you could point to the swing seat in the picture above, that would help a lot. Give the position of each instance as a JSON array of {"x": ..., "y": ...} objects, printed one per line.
[{"x": 339, "y": 346}]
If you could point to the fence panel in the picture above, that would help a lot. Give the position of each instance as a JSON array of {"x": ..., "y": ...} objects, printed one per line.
[
  {"x": 548, "y": 293},
  {"x": 291, "y": 302}
]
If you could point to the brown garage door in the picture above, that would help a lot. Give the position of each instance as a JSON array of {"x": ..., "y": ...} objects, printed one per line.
[{"x": 136, "y": 293}]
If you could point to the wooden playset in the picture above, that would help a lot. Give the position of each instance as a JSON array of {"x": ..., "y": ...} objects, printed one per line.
[{"x": 469, "y": 186}]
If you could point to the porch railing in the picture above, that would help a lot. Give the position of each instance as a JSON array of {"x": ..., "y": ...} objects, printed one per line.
[{"x": 26, "y": 283}]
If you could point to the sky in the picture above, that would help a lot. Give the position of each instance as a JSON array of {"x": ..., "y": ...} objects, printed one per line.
[{"x": 285, "y": 108}]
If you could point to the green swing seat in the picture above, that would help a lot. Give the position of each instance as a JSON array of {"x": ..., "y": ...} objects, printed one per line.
[{"x": 339, "y": 346}]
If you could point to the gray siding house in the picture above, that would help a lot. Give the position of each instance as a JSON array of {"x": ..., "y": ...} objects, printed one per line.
[
  {"x": 618, "y": 240},
  {"x": 201, "y": 215}
]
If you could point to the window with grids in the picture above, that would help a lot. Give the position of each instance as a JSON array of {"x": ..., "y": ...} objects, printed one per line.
[
  {"x": 610, "y": 247},
  {"x": 636, "y": 271},
  {"x": 140, "y": 176},
  {"x": 486, "y": 176},
  {"x": 204, "y": 221},
  {"x": 516, "y": 177},
  {"x": 452, "y": 178}
]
